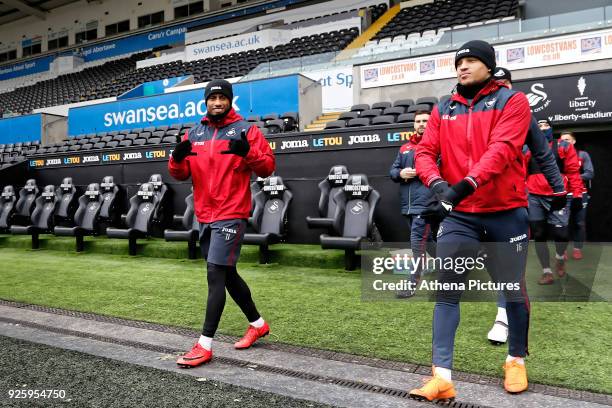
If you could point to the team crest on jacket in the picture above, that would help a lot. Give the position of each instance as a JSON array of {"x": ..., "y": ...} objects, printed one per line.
[
  {"x": 231, "y": 132},
  {"x": 489, "y": 104}
]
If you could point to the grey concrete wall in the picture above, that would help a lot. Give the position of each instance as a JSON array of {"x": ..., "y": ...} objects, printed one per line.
[
  {"x": 541, "y": 8},
  {"x": 310, "y": 100},
  {"x": 54, "y": 128}
]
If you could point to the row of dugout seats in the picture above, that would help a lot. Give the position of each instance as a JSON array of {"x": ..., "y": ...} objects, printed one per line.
[{"x": 346, "y": 210}]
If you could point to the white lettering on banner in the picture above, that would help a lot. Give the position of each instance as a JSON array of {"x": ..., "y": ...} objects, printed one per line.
[
  {"x": 159, "y": 113},
  {"x": 355, "y": 139},
  {"x": 294, "y": 144},
  {"x": 588, "y": 46},
  {"x": 91, "y": 159},
  {"x": 237, "y": 43},
  {"x": 53, "y": 161},
  {"x": 131, "y": 156}
]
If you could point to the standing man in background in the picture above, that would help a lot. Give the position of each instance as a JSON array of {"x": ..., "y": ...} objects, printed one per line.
[
  {"x": 414, "y": 196},
  {"x": 578, "y": 215},
  {"x": 220, "y": 154}
]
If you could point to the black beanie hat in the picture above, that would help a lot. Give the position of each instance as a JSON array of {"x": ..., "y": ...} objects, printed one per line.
[
  {"x": 219, "y": 86},
  {"x": 477, "y": 49},
  {"x": 502, "y": 73}
]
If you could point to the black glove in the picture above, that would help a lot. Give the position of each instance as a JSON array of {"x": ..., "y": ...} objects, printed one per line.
[
  {"x": 558, "y": 202},
  {"x": 240, "y": 146},
  {"x": 182, "y": 150},
  {"x": 446, "y": 198},
  {"x": 576, "y": 204}
]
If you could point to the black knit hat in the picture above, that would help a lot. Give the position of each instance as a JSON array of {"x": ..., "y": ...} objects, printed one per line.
[
  {"x": 477, "y": 49},
  {"x": 219, "y": 86},
  {"x": 502, "y": 73}
]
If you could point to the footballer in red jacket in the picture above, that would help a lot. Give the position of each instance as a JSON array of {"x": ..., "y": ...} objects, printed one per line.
[
  {"x": 479, "y": 197},
  {"x": 219, "y": 154},
  {"x": 541, "y": 212}
]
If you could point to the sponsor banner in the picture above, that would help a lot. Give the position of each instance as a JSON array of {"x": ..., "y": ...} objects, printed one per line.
[
  {"x": 336, "y": 88},
  {"x": 570, "y": 100},
  {"x": 127, "y": 155},
  {"x": 135, "y": 43},
  {"x": 250, "y": 98},
  {"x": 25, "y": 68},
  {"x": 152, "y": 88},
  {"x": 25, "y": 128},
  {"x": 528, "y": 54},
  {"x": 297, "y": 143},
  {"x": 237, "y": 43},
  {"x": 341, "y": 140}
]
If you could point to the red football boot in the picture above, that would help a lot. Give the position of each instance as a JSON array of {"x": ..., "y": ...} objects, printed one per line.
[
  {"x": 577, "y": 254},
  {"x": 252, "y": 334},
  {"x": 196, "y": 356}
]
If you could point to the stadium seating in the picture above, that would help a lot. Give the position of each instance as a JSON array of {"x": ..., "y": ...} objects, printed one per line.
[
  {"x": 67, "y": 203},
  {"x": 329, "y": 187},
  {"x": 41, "y": 220},
  {"x": 269, "y": 216},
  {"x": 162, "y": 214},
  {"x": 85, "y": 217},
  {"x": 139, "y": 217},
  {"x": 190, "y": 231},
  {"x": 353, "y": 220},
  {"x": 7, "y": 207},
  {"x": 110, "y": 210}
]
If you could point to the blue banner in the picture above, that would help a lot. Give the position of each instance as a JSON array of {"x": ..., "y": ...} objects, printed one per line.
[
  {"x": 25, "y": 128},
  {"x": 135, "y": 43},
  {"x": 25, "y": 68},
  {"x": 250, "y": 98}
]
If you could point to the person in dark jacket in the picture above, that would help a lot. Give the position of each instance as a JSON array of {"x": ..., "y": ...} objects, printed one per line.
[
  {"x": 477, "y": 136},
  {"x": 538, "y": 145},
  {"x": 578, "y": 215},
  {"x": 220, "y": 154},
  {"x": 414, "y": 196}
]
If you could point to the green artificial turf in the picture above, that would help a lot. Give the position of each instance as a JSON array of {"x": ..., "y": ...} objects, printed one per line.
[{"x": 312, "y": 306}]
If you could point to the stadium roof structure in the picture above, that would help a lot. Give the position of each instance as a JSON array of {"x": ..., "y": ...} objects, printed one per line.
[{"x": 12, "y": 10}]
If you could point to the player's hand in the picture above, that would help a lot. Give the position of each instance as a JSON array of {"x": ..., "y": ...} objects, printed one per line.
[
  {"x": 182, "y": 150},
  {"x": 408, "y": 173},
  {"x": 239, "y": 147},
  {"x": 558, "y": 202},
  {"x": 436, "y": 211}
]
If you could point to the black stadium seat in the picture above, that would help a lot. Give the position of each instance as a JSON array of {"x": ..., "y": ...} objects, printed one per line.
[
  {"x": 26, "y": 202},
  {"x": 41, "y": 220},
  {"x": 139, "y": 217},
  {"x": 404, "y": 103},
  {"x": 275, "y": 126},
  {"x": 7, "y": 207},
  {"x": 359, "y": 122},
  {"x": 190, "y": 231},
  {"x": 346, "y": 116},
  {"x": 360, "y": 107},
  {"x": 353, "y": 219},
  {"x": 381, "y": 105},
  {"x": 110, "y": 211},
  {"x": 429, "y": 100},
  {"x": 394, "y": 111},
  {"x": 370, "y": 113},
  {"x": 383, "y": 120},
  {"x": 85, "y": 217},
  {"x": 291, "y": 121},
  {"x": 67, "y": 202},
  {"x": 419, "y": 107},
  {"x": 335, "y": 124},
  {"x": 329, "y": 187},
  {"x": 405, "y": 118},
  {"x": 269, "y": 216}
]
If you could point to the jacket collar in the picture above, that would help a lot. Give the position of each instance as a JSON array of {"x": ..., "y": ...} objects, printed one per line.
[
  {"x": 231, "y": 117},
  {"x": 491, "y": 87}
]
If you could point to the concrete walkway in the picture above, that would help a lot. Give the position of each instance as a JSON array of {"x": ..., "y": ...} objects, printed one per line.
[{"x": 283, "y": 370}]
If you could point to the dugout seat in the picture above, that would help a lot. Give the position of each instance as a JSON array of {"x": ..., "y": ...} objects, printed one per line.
[
  {"x": 7, "y": 207},
  {"x": 329, "y": 187},
  {"x": 68, "y": 202},
  {"x": 41, "y": 220},
  {"x": 110, "y": 210},
  {"x": 353, "y": 218},
  {"x": 139, "y": 217},
  {"x": 26, "y": 202},
  {"x": 191, "y": 230},
  {"x": 269, "y": 216},
  {"x": 162, "y": 217},
  {"x": 85, "y": 217}
]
